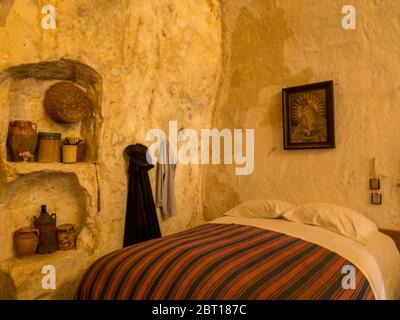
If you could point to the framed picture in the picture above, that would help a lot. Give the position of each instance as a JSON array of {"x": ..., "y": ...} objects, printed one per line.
[{"x": 308, "y": 117}]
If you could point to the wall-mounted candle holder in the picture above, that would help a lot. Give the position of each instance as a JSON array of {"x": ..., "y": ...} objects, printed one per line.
[
  {"x": 374, "y": 184},
  {"x": 376, "y": 198}
]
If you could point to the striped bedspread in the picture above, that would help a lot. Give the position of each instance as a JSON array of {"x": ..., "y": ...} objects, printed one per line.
[{"x": 221, "y": 261}]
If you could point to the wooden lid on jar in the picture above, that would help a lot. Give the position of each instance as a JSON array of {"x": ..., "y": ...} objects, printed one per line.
[{"x": 49, "y": 135}]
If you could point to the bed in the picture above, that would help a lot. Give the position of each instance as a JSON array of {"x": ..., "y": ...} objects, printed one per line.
[{"x": 248, "y": 258}]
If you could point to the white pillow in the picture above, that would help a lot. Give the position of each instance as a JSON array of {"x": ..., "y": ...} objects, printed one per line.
[
  {"x": 342, "y": 220},
  {"x": 260, "y": 208}
]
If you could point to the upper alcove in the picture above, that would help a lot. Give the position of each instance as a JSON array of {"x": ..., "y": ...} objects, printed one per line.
[{"x": 22, "y": 91}]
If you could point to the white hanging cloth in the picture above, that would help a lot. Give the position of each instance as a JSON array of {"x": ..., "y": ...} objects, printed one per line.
[{"x": 165, "y": 180}]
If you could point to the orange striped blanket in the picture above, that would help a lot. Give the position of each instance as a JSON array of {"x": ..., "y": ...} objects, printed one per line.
[{"x": 221, "y": 261}]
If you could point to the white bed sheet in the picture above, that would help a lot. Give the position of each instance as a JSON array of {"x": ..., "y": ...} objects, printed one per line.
[{"x": 378, "y": 259}]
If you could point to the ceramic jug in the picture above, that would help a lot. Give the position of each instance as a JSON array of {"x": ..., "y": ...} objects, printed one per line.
[
  {"x": 46, "y": 224},
  {"x": 22, "y": 137},
  {"x": 66, "y": 236},
  {"x": 26, "y": 241}
]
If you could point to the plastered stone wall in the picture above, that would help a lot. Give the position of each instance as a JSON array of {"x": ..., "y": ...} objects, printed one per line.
[
  {"x": 269, "y": 45},
  {"x": 222, "y": 64},
  {"x": 159, "y": 60}
]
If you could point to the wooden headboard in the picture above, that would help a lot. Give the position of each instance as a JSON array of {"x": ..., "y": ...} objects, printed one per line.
[{"x": 394, "y": 234}]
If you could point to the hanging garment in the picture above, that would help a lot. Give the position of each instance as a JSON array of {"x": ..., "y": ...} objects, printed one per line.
[
  {"x": 141, "y": 221},
  {"x": 165, "y": 180}
]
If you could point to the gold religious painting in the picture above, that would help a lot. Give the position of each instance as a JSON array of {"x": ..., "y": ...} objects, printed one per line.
[{"x": 308, "y": 117}]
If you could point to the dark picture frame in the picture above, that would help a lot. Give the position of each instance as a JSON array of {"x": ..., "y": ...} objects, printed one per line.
[{"x": 308, "y": 116}]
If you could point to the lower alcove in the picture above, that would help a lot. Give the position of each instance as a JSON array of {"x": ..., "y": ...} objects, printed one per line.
[
  {"x": 71, "y": 191},
  {"x": 23, "y": 197}
]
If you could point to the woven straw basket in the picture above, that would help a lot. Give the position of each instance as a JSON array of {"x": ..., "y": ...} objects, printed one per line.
[{"x": 65, "y": 102}]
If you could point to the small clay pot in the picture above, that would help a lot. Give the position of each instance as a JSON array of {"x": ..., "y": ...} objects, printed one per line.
[
  {"x": 69, "y": 153},
  {"x": 66, "y": 236},
  {"x": 26, "y": 241},
  {"x": 81, "y": 151}
]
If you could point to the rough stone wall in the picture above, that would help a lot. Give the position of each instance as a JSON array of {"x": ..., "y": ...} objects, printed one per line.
[
  {"x": 269, "y": 45},
  {"x": 159, "y": 61},
  {"x": 222, "y": 64}
]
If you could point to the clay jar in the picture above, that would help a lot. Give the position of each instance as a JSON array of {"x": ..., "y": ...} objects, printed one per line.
[
  {"x": 22, "y": 136},
  {"x": 69, "y": 153},
  {"x": 26, "y": 241},
  {"x": 66, "y": 236}
]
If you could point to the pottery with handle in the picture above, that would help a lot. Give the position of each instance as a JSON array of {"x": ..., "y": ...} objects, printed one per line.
[
  {"x": 22, "y": 137},
  {"x": 46, "y": 223},
  {"x": 26, "y": 241},
  {"x": 66, "y": 236}
]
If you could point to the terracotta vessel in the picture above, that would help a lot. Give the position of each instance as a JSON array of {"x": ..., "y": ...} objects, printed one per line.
[
  {"x": 46, "y": 224},
  {"x": 81, "y": 151},
  {"x": 22, "y": 136},
  {"x": 66, "y": 236},
  {"x": 26, "y": 241}
]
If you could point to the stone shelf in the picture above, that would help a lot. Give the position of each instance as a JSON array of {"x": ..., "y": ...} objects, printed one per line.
[
  {"x": 84, "y": 171},
  {"x": 26, "y": 273},
  {"x": 23, "y": 168}
]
